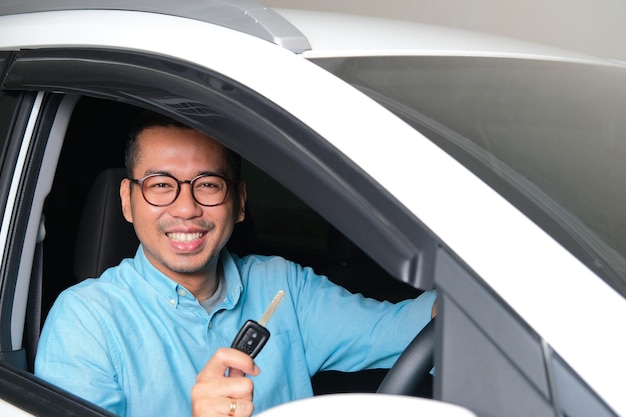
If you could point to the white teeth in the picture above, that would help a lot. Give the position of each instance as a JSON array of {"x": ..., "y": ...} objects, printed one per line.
[{"x": 184, "y": 237}]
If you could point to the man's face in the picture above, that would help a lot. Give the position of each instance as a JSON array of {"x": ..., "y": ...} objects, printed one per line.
[{"x": 182, "y": 240}]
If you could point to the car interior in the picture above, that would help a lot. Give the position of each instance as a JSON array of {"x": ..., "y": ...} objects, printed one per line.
[{"x": 86, "y": 232}]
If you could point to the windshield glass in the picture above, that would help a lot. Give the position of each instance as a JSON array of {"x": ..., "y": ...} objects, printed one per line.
[{"x": 550, "y": 137}]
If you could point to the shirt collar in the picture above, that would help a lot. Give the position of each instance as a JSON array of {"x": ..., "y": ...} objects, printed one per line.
[{"x": 175, "y": 294}]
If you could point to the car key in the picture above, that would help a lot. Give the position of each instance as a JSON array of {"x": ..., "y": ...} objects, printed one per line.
[{"x": 253, "y": 335}]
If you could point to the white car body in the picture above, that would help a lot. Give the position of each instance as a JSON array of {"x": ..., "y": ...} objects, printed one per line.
[{"x": 575, "y": 313}]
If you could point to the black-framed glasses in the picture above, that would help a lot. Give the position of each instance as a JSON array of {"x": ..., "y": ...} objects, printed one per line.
[{"x": 163, "y": 189}]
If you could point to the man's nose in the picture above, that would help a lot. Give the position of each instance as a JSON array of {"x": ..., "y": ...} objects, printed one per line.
[{"x": 185, "y": 205}]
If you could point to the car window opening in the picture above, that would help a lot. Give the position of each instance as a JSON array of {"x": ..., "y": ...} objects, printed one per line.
[{"x": 277, "y": 223}]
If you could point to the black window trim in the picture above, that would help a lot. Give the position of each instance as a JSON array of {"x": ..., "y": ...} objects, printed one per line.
[
  {"x": 35, "y": 396},
  {"x": 10, "y": 257},
  {"x": 43, "y": 118}
]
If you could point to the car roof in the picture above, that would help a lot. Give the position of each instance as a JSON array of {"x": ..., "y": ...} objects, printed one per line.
[
  {"x": 321, "y": 34},
  {"x": 335, "y": 34},
  {"x": 246, "y": 16}
]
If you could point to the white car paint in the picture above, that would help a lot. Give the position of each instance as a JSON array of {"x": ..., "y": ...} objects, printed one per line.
[
  {"x": 335, "y": 34},
  {"x": 572, "y": 309},
  {"x": 366, "y": 405},
  {"x": 9, "y": 410}
]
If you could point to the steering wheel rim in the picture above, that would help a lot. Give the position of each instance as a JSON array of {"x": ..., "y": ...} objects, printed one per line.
[{"x": 413, "y": 365}]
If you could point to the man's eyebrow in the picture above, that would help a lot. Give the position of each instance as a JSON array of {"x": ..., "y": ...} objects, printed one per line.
[
  {"x": 156, "y": 171},
  {"x": 219, "y": 173}
]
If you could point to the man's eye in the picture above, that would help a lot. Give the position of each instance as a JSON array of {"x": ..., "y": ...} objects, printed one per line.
[
  {"x": 208, "y": 184},
  {"x": 162, "y": 185}
]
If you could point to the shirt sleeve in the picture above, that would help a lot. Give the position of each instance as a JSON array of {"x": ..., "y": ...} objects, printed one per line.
[
  {"x": 75, "y": 353},
  {"x": 348, "y": 332}
]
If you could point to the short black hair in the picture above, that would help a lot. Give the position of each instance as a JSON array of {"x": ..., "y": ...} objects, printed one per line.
[{"x": 148, "y": 119}]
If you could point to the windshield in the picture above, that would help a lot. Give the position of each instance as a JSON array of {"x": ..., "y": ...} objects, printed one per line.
[{"x": 549, "y": 136}]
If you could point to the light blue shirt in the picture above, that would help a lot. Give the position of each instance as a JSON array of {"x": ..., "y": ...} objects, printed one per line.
[{"x": 133, "y": 341}]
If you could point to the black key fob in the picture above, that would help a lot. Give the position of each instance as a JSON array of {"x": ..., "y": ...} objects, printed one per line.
[{"x": 251, "y": 338}]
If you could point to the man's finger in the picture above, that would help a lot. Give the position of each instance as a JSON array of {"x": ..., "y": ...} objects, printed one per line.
[
  {"x": 226, "y": 359},
  {"x": 236, "y": 408}
]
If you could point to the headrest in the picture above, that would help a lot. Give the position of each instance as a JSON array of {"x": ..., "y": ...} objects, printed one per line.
[{"x": 104, "y": 236}]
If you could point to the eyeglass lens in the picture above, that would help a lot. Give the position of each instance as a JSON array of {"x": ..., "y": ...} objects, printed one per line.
[{"x": 162, "y": 190}]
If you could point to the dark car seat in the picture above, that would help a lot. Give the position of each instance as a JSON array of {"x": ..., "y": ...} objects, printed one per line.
[{"x": 104, "y": 236}]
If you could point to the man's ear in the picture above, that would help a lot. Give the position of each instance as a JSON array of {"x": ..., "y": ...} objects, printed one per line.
[
  {"x": 242, "y": 196},
  {"x": 125, "y": 197}
]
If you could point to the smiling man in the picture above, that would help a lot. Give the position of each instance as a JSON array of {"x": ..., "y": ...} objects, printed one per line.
[
  {"x": 185, "y": 224},
  {"x": 150, "y": 336}
]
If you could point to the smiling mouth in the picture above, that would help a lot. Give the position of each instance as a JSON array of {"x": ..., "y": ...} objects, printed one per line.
[{"x": 185, "y": 237}]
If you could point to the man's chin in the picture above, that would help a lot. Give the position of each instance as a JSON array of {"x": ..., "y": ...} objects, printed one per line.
[
  {"x": 183, "y": 263},
  {"x": 188, "y": 268}
]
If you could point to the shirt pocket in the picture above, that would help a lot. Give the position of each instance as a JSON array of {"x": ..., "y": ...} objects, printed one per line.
[{"x": 284, "y": 375}]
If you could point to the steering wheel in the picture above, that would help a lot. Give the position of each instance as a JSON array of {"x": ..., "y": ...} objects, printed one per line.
[{"x": 413, "y": 365}]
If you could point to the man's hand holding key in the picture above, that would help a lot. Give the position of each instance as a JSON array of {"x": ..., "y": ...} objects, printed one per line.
[{"x": 222, "y": 388}]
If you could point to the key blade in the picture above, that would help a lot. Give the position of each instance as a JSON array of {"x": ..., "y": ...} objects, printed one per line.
[{"x": 272, "y": 308}]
